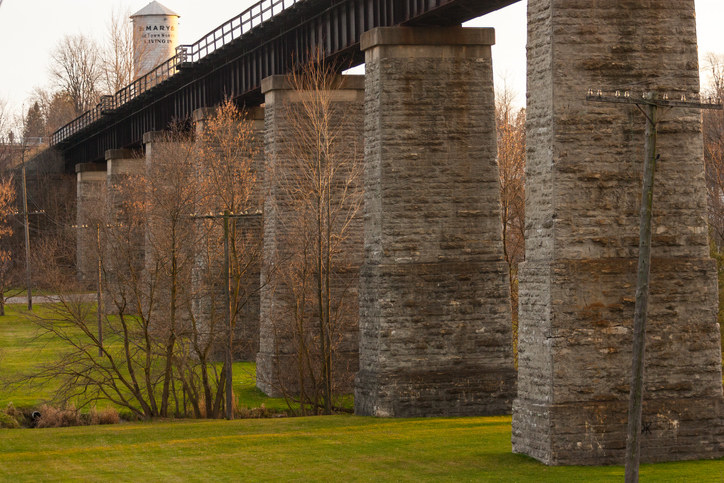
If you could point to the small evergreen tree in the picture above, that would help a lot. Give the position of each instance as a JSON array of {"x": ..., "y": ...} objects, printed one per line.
[{"x": 34, "y": 122}]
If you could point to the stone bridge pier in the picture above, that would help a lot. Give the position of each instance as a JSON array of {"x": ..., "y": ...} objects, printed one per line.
[
  {"x": 578, "y": 282},
  {"x": 123, "y": 239},
  {"x": 90, "y": 205},
  {"x": 288, "y": 229},
  {"x": 122, "y": 166},
  {"x": 435, "y": 330}
]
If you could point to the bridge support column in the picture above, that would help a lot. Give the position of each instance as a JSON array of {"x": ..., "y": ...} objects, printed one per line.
[
  {"x": 578, "y": 282},
  {"x": 90, "y": 206},
  {"x": 169, "y": 156},
  {"x": 209, "y": 297},
  {"x": 122, "y": 165},
  {"x": 170, "y": 236},
  {"x": 124, "y": 241},
  {"x": 288, "y": 225},
  {"x": 435, "y": 321}
]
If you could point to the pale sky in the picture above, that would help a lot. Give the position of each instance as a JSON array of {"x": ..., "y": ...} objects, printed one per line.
[{"x": 29, "y": 30}]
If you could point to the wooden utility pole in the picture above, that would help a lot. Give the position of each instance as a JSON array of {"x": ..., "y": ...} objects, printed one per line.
[
  {"x": 229, "y": 329},
  {"x": 26, "y": 226},
  {"x": 651, "y": 103},
  {"x": 228, "y": 347},
  {"x": 99, "y": 291},
  {"x": 28, "y": 277}
]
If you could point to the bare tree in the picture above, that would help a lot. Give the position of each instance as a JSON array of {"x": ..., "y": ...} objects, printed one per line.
[
  {"x": 163, "y": 354},
  {"x": 320, "y": 194},
  {"x": 117, "y": 54},
  {"x": 6, "y": 136},
  {"x": 4, "y": 121},
  {"x": 146, "y": 256},
  {"x": 510, "y": 126},
  {"x": 172, "y": 194},
  {"x": 7, "y": 208},
  {"x": 713, "y": 128},
  {"x": 76, "y": 71},
  {"x": 226, "y": 173}
]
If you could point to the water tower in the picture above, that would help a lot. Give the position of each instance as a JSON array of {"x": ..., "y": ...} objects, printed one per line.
[{"x": 155, "y": 37}]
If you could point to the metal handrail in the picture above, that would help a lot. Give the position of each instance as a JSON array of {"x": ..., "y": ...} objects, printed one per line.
[{"x": 222, "y": 35}]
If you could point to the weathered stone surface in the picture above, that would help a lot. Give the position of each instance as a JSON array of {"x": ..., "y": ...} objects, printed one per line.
[
  {"x": 577, "y": 284},
  {"x": 90, "y": 200},
  {"x": 121, "y": 166},
  {"x": 594, "y": 432},
  {"x": 435, "y": 333},
  {"x": 286, "y": 227}
]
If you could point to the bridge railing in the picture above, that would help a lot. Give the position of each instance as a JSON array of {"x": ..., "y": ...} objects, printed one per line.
[
  {"x": 159, "y": 74},
  {"x": 236, "y": 27},
  {"x": 225, "y": 33}
]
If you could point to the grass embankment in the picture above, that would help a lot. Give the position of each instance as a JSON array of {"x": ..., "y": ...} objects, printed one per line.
[
  {"x": 23, "y": 346},
  {"x": 342, "y": 448}
]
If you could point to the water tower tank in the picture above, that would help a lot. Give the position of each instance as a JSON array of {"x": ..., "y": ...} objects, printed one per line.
[{"x": 155, "y": 37}]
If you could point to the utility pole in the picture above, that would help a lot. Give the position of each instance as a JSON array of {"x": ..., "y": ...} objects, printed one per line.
[
  {"x": 229, "y": 331},
  {"x": 99, "y": 291},
  {"x": 649, "y": 104},
  {"x": 26, "y": 226},
  {"x": 228, "y": 347},
  {"x": 28, "y": 278}
]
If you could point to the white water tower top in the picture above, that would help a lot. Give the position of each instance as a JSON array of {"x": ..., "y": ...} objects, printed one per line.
[{"x": 155, "y": 37}]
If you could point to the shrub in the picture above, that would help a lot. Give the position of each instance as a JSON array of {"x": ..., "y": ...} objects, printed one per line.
[
  {"x": 104, "y": 416},
  {"x": 20, "y": 416},
  {"x": 11, "y": 410},
  {"x": 127, "y": 415},
  {"x": 51, "y": 417},
  {"x": 7, "y": 421},
  {"x": 256, "y": 413}
]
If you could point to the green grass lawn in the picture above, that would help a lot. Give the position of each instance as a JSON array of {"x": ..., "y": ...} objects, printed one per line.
[
  {"x": 21, "y": 347},
  {"x": 346, "y": 448},
  {"x": 341, "y": 448}
]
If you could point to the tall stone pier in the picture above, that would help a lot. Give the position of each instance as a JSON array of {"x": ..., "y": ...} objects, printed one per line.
[
  {"x": 90, "y": 205},
  {"x": 123, "y": 239},
  {"x": 578, "y": 283},
  {"x": 435, "y": 322},
  {"x": 170, "y": 236},
  {"x": 289, "y": 309},
  {"x": 122, "y": 165}
]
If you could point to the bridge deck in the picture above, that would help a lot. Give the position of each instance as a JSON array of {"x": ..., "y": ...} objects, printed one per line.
[{"x": 230, "y": 61}]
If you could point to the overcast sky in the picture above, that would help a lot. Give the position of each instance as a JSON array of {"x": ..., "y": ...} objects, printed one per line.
[{"x": 29, "y": 29}]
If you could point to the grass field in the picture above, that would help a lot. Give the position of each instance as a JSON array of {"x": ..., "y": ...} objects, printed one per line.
[
  {"x": 347, "y": 448},
  {"x": 21, "y": 347},
  {"x": 341, "y": 448}
]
